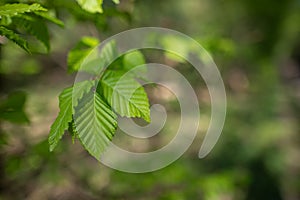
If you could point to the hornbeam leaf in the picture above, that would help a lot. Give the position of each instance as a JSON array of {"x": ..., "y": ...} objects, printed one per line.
[
  {"x": 85, "y": 57},
  {"x": 132, "y": 60},
  {"x": 95, "y": 123},
  {"x": 63, "y": 119},
  {"x": 77, "y": 55},
  {"x": 66, "y": 106},
  {"x": 79, "y": 89},
  {"x": 125, "y": 95}
]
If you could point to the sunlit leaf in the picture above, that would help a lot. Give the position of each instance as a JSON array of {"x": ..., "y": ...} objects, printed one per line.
[
  {"x": 125, "y": 95},
  {"x": 77, "y": 55},
  {"x": 134, "y": 59},
  {"x": 95, "y": 123},
  {"x": 63, "y": 119},
  {"x": 86, "y": 57},
  {"x": 66, "y": 104},
  {"x": 92, "y": 6}
]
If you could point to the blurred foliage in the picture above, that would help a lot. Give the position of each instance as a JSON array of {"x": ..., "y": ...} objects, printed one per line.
[
  {"x": 12, "y": 108},
  {"x": 28, "y": 18},
  {"x": 256, "y": 46}
]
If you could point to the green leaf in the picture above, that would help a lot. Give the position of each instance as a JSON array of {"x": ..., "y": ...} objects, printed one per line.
[
  {"x": 5, "y": 21},
  {"x": 134, "y": 59},
  {"x": 125, "y": 95},
  {"x": 63, "y": 119},
  {"x": 116, "y": 1},
  {"x": 86, "y": 57},
  {"x": 19, "y": 8},
  {"x": 51, "y": 18},
  {"x": 12, "y": 108},
  {"x": 66, "y": 106},
  {"x": 11, "y": 35},
  {"x": 80, "y": 88},
  {"x": 92, "y": 6},
  {"x": 109, "y": 52},
  {"x": 95, "y": 123},
  {"x": 35, "y": 27},
  {"x": 77, "y": 55},
  {"x": 181, "y": 45}
]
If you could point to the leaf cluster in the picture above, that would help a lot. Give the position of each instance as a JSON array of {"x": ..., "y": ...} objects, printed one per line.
[{"x": 89, "y": 108}]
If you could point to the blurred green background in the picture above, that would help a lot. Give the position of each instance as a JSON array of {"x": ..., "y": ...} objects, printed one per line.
[{"x": 255, "y": 44}]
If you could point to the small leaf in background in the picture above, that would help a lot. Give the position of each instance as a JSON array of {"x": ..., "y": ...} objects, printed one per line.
[
  {"x": 19, "y": 8},
  {"x": 134, "y": 59},
  {"x": 100, "y": 58},
  {"x": 95, "y": 123},
  {"x": 125, "y": 95},
  {"x": 175, "y": 42},
  {"x": 92, "y": 6},
  {"x": 86, "y": 57},
  {"x": 12, "y": 108},
  {"x": 77, "y": 55},
  {"x": 11, "y": 35}
]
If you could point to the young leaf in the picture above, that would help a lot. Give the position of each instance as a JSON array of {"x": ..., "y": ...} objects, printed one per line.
[
  {"x": 66, "y": 105},
  {"x": 19, "y": 8},
  {"x": 80, "y": 88},
  {"x": 109, "y": 52},
  {"x": 135, "y": 59},
  {"x": 92, "y": 6},
  {"x": 85, "y": 57},
  {"x": 100, "y": 58},
  {"x": 95, "y": 123},
  {"x": 35, "y": 27},
  {"x": 125, "y": 95},
  {"x": 14, "y": 37},
  {"x": 77, "y": 55},
  {"x": 63, "y": 119}
]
